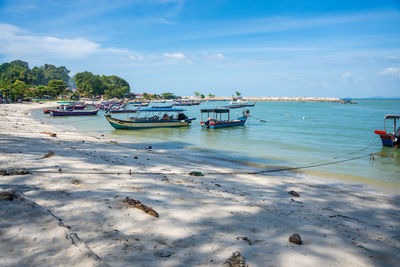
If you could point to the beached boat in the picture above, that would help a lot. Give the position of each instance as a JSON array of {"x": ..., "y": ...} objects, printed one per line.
[
  {"x": 214, "y": 122},
  {"x": 152, "y": 118},
  {"x": 390, "y": 138},
  {"x": 73, "y": 113}
]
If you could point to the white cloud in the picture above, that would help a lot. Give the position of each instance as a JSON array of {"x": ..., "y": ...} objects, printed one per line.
[
  {"x": 213, "y": 56},
  {"x": 17, "y": 43},
  {"x": 391, "y": 71},
  {"x": 175, "y": 55},
  {"x": 393, "y": 58},
  {"x": 348, "y": 77}
]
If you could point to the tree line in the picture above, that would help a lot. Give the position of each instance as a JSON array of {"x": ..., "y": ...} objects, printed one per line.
[{"x": 18, "y": 81}]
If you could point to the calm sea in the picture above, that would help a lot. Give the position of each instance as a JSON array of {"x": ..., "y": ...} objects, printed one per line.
[{"x": 295, "y": 134}]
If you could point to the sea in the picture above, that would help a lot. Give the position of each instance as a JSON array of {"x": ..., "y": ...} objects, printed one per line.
[{"x": 319, "y": 139}]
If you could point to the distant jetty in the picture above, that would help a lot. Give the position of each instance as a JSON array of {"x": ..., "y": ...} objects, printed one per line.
[{"x": 281, "y": 99}]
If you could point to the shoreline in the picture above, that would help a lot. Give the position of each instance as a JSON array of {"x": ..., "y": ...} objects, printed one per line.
[
  {"x": 273, "y": 99},
  {"x": 203, "y": 219}
]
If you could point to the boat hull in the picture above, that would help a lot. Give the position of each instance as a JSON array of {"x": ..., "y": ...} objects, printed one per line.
[
  {"x": 73, "y": 113},
  {"x": 136, "y": 125},
  {"x": 123, "y": 111},
  {"x": 387, "y": 139},
  {"x": 214, "y": 125}
]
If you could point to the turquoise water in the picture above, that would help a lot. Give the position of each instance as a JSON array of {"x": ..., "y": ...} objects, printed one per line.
[{"x": 295, "y": 134}]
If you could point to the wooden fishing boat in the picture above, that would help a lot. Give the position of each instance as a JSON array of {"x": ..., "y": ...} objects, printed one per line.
[
  {"x": 152, "y": 118},
  {"x": 141, "y": 104},
  {"x": 77, "y": 107},
  {"x": 170, "y": 106},
  {"x": 390, "y": 138},
  {"x": 122, "y": 111},
  {"x": 186, "y": 103},
  {"x": 73, "y": 113},
  {"x": 240, "y": 105},
  {"x": 214, "y": 122}
]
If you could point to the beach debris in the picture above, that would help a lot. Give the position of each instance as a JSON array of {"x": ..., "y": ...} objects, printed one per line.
[
  {"x": 299, "y": 202},
  {"x": 149, "y": 147},
  {"x": 8, "y": 196},
  {"x": 294, "y": 193},
  {"x": 163, "y": 253},
  {"x": 129, "y": 202},
  {"x": 49, "y": 133},
  {"x": 196, "y": 173},
  {"x": 135, "y": 157},
  {"x": 75, "y": 181},
  {"x": 14, "y": 171},
  {"x": 245, "y": 238},
  {"x": 59, "y": 170},
  {"x": 48, "y": 155},
  {"x": 236, "y": 260},
  {"x": 296, "y": 239}
]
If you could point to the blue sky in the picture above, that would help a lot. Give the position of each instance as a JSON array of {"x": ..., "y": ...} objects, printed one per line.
[{"x": 259, "y": 48}]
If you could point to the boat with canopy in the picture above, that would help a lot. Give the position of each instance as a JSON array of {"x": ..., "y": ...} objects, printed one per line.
[
  {"x": 390, "y": 138},
  {"x": 221, "y": 118},
  {"x": 152, "y": 118}
]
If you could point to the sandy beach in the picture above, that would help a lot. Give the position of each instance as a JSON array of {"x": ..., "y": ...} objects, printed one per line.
[{"x": 72, "y": 208}]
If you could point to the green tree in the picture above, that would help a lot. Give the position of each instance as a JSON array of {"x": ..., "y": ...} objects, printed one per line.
[
  {"x": 52, "y": 72},
  {"x": 211, "y": 95},
  {"x": 168, "y": 96},
  {"x": 197, "y": 94},
  {"x": 15, "y": 70},
  {"x": 57, "y": 87},
  {"x": 202, "y": 96},
  {"x": 238, "y": 94},
  {"x": 18, "y": 90}
]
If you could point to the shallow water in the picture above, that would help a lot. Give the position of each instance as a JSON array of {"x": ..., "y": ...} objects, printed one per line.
[{"x": 296, "y": 134}]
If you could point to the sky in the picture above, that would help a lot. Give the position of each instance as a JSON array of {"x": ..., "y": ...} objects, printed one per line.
[{"x": 259, "y": 48}]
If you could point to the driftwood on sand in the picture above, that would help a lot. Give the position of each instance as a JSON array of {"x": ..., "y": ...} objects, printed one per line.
[{"x": 129, "y": 202}]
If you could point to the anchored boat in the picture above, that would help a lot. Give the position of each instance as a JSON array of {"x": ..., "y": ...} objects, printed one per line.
[
  {"x": 214, "y": 122},
  {"x": 152, "y": 118},
  {"x": 73, "y": 113},
  {"x": 390, "y": 138}
]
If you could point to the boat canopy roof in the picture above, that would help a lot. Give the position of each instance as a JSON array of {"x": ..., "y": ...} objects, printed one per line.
[
  {"x": 390, "y": 116},
  {"x": 160, "y": 109},
  {"x": 215, "y": 110}
]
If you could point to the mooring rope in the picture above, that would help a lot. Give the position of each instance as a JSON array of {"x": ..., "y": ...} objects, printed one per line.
[
  {"x": 261, "y": 120},
  {"x": 62, "y": 171}
]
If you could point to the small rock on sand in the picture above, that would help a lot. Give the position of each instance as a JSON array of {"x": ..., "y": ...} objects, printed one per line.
[
  {"x": 294, "y": 193},
  {"x": 296, "y": 239},
  {"x": 48, "y": 154}
]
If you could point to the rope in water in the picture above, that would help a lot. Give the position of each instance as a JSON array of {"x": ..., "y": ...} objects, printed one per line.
[{"x": 261, "y": 120}]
